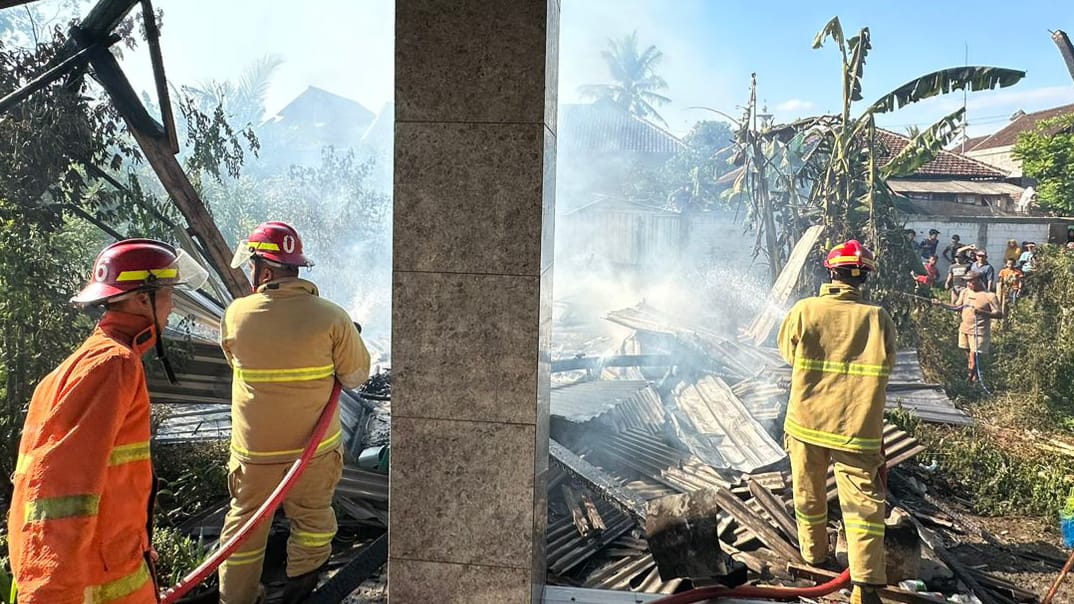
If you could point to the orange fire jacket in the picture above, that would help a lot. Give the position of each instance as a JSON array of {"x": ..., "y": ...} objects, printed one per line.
[{"x": 78, "y": 519}]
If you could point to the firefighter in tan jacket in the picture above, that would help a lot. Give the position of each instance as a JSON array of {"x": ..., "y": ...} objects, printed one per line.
[
  {"x": 842, "y": 352},
  {"x": 286, "y": 346}
]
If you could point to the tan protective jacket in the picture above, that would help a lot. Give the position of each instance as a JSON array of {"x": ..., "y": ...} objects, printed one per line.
[
  {"x": 286, "y": 346},
  {"x": 842, "y": 352}
]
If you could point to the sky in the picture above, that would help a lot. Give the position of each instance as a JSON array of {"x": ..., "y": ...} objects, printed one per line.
[{"x": 710, "y": 48}]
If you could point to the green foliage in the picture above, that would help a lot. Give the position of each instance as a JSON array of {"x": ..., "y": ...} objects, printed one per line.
[
  {"x": 999, "y": 478},
  {"x": 634, "y": 82},
  {"x": 1047, "y": 154},
  {"x": 179, "y": 554},
  {"x": 1034, "y": 350},
  {"x": 194, "y": 478},
  {"x": 692, "y": 173}
]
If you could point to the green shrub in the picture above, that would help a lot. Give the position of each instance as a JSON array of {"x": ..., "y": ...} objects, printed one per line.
[
  {"x": 194, "y": 477},
  {"x": 997, "y": 478},
  {"x": 179, "y": 554}
]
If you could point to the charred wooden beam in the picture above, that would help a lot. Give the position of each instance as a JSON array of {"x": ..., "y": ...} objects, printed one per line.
[
  {"x": 154, "y": 144},
  {"x": 776, "y": 509},
  {"x": 625, "y": 360},
  {"x": 600, "y": 483},
  {"x": 344, "y": 582},
  {"x": 105, "y": 16},
  {"x": 577, "y": 515},
  {"x": 756, "y": 525},
  {"x": 592, "y": 513},
  {"x": 152, "y": 34}
]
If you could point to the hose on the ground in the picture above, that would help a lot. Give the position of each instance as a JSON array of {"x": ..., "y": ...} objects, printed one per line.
[
  {"x": 701, "y": 594},
  {"x": 266, "y": 510}
]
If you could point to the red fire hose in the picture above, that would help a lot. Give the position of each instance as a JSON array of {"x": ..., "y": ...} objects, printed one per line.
[
  {"x": 264, "y": 512},
  {"x": 700, "y": 594}
]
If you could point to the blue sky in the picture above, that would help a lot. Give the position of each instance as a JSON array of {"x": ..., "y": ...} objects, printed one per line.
[{"x": 710, "y": 48}]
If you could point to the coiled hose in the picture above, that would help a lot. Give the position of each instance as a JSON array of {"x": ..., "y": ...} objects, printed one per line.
[
  {"x": 266, "y": 510},
  {"x": 701, "y": 594}
]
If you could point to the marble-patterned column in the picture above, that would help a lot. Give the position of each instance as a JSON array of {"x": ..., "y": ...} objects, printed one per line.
[{"x": 475, "y": 106}]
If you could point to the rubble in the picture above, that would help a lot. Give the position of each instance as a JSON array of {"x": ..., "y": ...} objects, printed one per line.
[{"x": 708, "y": 417}]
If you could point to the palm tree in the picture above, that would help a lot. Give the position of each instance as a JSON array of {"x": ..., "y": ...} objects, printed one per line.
[
  {"x": 634, "y": 83},
  {"x": 243, "y": 100}
]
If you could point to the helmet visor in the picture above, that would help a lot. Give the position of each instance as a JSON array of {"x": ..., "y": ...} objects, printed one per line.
[
  {"x": 192, "y": 275},
  {"x": 243, "y": 253}
]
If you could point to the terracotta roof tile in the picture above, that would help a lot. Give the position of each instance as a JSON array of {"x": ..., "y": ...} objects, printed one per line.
[
  {"x": 1008, "y": 135},
  {"x": 605, "y": 128},
  {"x": 945, "y": 164}
]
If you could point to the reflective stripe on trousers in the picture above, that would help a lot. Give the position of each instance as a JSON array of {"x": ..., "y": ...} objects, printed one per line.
[{"x": 861, "y": 499}]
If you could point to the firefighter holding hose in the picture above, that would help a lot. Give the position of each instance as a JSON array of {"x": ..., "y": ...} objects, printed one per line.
[
  {"x": 79, "y": 523},
  {"x": 842, "y": 351},
  {"x": 287, "y": 346}
]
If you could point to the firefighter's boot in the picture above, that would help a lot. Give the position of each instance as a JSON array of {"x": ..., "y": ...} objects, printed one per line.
[
  {"x": 299, "y": 588},
  {"x": 863, "y": 594}
]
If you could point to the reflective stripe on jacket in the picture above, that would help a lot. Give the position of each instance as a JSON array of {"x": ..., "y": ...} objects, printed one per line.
[
  {"x": 77, "y": 525},
  {"x": 286, "y": 346},
  {"x": 842, "y": 352}
]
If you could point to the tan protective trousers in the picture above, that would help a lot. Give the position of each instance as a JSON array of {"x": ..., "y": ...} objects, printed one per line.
[
  {"x": 861, "y": 498},
  {"x": 308, "y": 506}
]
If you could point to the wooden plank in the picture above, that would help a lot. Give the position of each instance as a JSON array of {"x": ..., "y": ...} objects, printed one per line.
[
  {"x": 776, "y": 509},
  {"x": 577, "y": 516},
  {"x": 756, "y": 525},
  {"x": 592, "y": 513}
]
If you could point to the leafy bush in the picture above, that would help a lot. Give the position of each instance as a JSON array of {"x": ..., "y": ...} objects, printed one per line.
[
  {"x": 998, "y": 478},
  {"x": 179, "y": 554},
  {"x": 1034, "y": 349},
  {"x": 194, "y": 477}
]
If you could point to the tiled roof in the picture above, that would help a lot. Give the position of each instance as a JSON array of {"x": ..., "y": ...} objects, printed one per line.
[
  {"x": 1008, "y": 135},
  {"x": 945, "y": 164},
  {"x": 603, "y": 127}
]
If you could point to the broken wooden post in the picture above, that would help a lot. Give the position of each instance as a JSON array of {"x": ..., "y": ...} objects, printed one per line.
[{"x": 153, "y": 141}]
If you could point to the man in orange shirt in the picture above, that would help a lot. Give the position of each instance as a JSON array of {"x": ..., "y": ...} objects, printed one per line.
[{"x": 79, "y": 520}]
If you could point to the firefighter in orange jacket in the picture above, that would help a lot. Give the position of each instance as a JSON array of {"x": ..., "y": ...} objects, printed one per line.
[
  {"x": 79, "y": 519},
  {"x": 287, "y": 346},
  {"x": 842, "y": 352}
]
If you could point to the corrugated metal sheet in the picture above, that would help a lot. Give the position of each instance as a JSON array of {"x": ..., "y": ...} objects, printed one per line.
[
  {"x": 719, "y": 429},
  {"x": 618, "y": 404},
  {"x": 772, "y": 310}
]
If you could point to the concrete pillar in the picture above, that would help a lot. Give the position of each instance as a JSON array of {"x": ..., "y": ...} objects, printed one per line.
[{"x": 475, "y": 102}]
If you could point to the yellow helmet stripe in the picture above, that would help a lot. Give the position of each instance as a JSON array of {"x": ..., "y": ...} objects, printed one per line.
[
  {"x": 159, "y": 273},
  {"x": 267, "y": 246},
  {"x": 861, "y": 259}
]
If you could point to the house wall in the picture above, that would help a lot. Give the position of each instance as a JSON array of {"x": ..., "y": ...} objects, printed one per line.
[
  {"x": 620, "y": 237},
  {"x": 999, "y": 157}
]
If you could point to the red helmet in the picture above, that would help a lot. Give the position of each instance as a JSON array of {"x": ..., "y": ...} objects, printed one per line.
[
  {"x": 852, "y": 255},
  {"x": 274, "y": 241},
  {"x": 138, "y": 265}
]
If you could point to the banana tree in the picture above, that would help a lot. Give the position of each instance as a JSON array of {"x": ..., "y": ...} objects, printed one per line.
[{"x": 850, "y": 189}]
